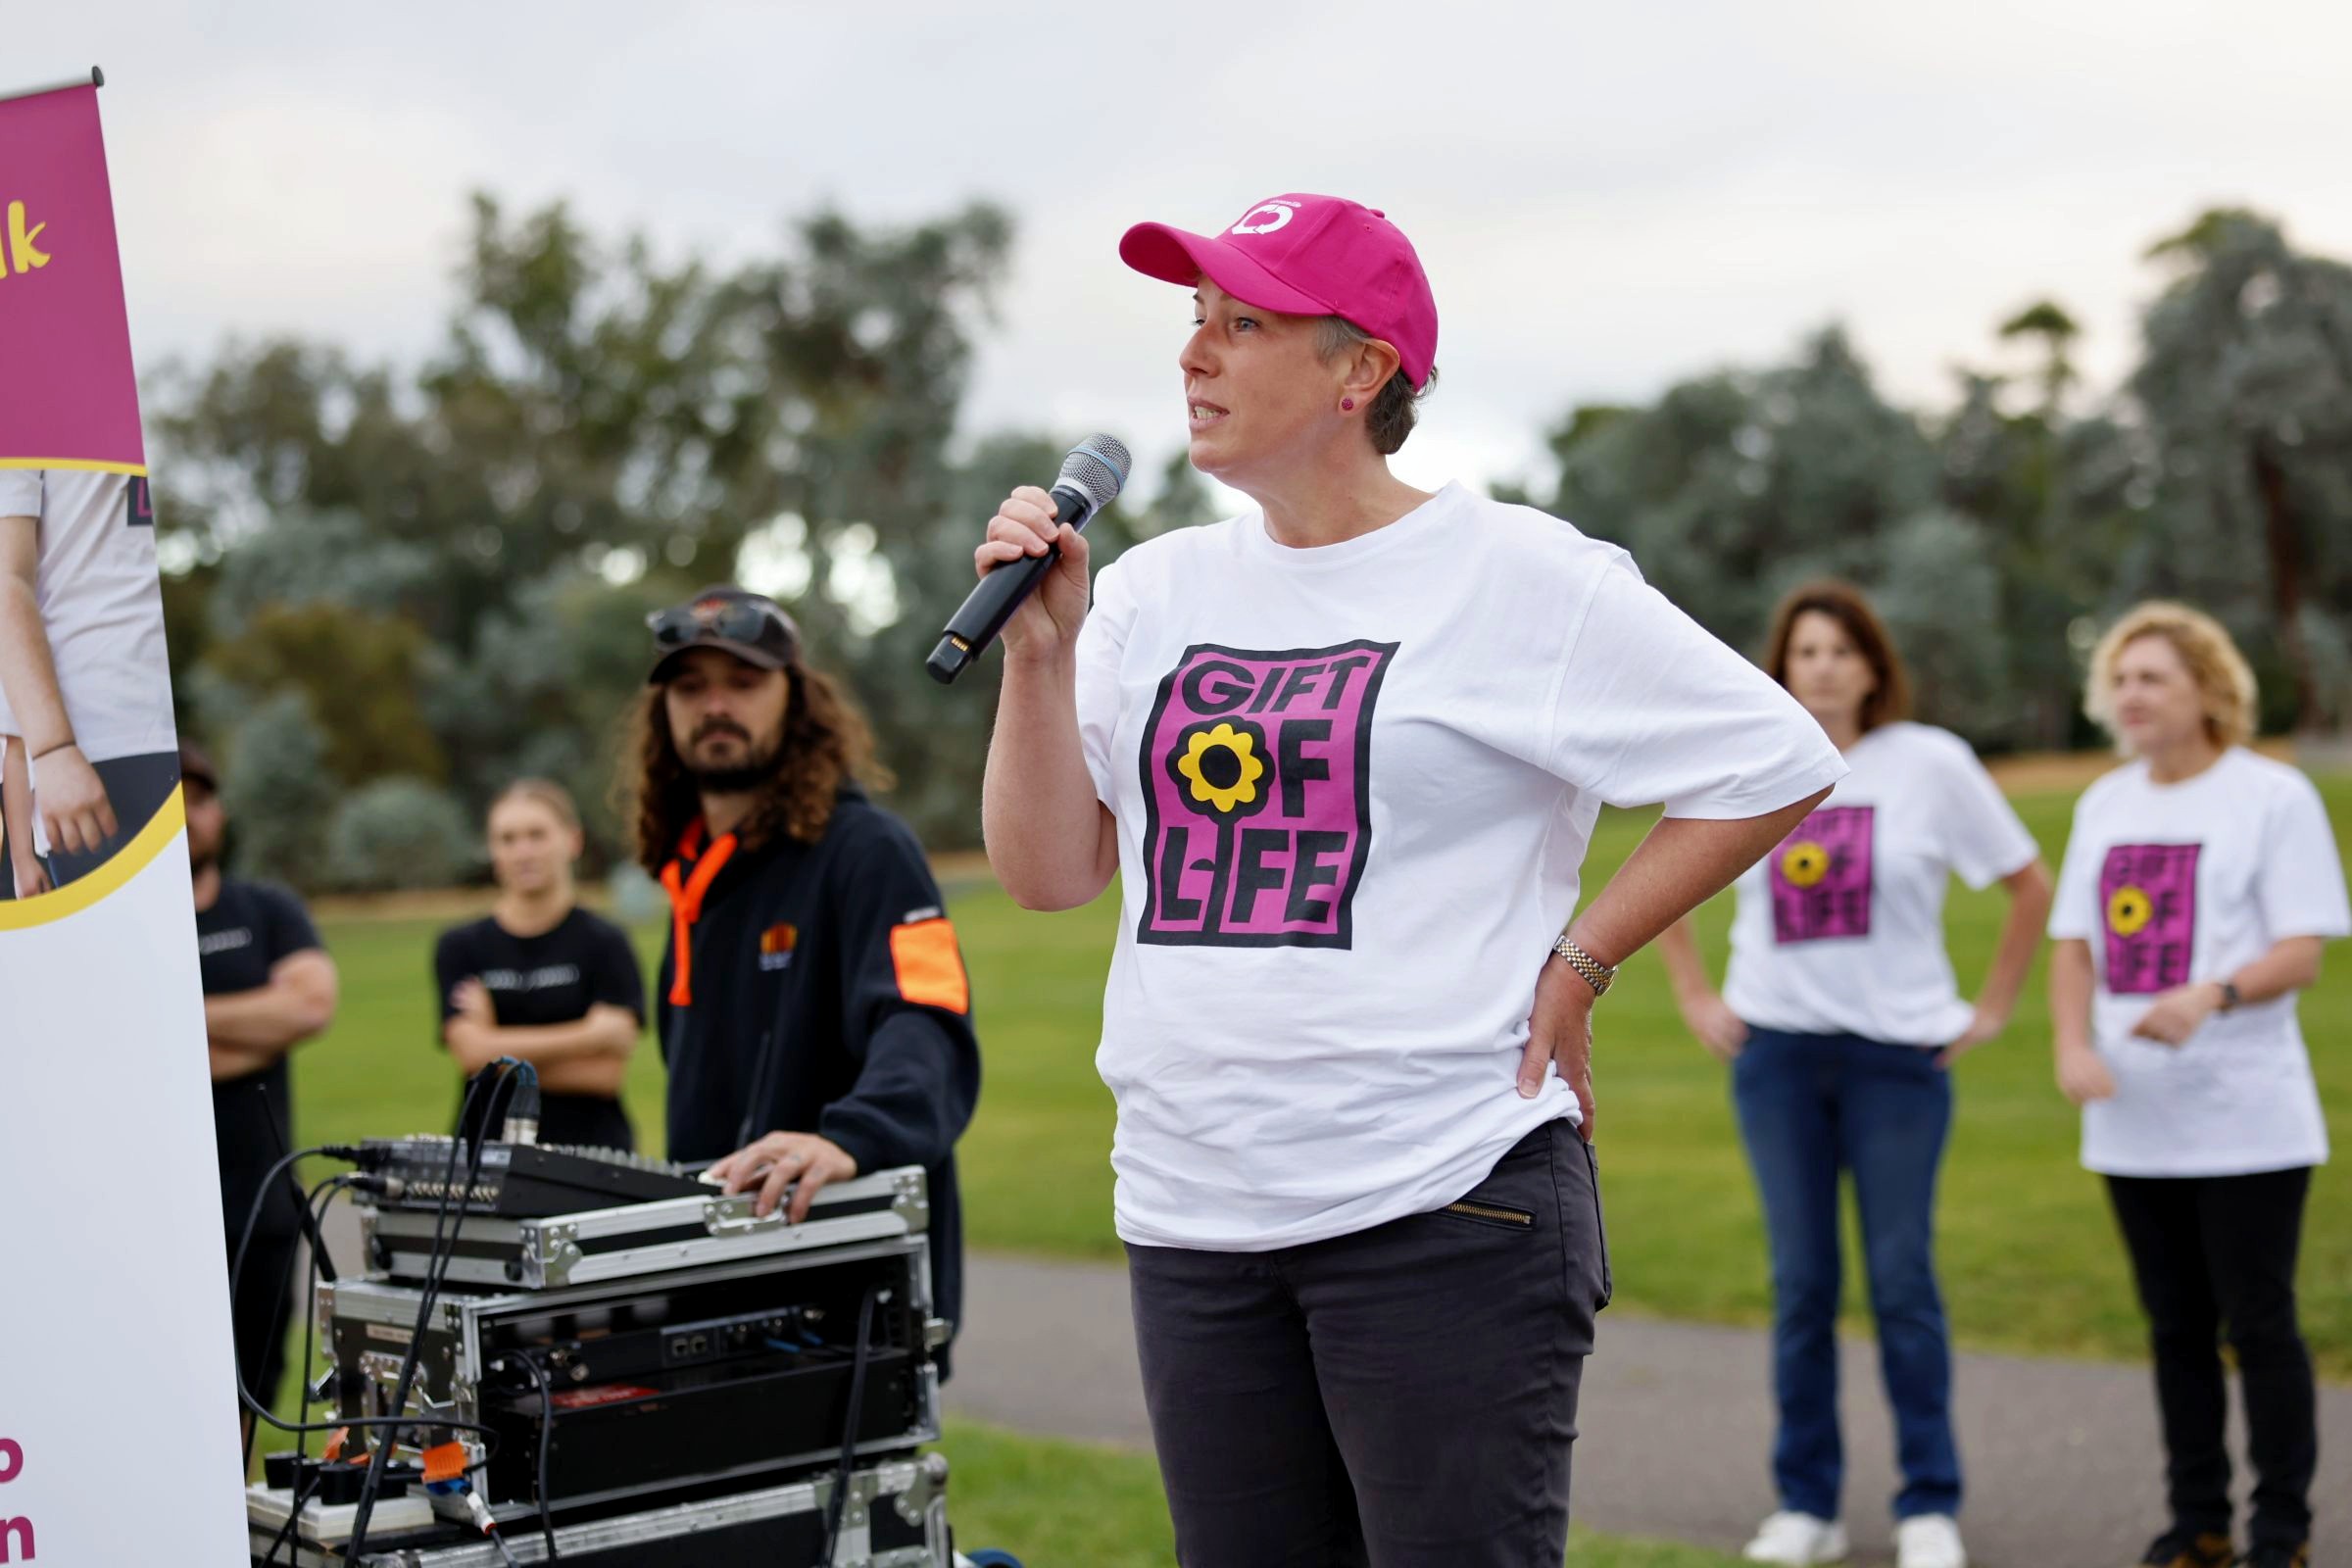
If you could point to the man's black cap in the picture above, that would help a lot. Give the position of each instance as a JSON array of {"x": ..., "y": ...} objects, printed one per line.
[
  {"x": 195, "y": 764},
  {"x": 752, "y": 627}
]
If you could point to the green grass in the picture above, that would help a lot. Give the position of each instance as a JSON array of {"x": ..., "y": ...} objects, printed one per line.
[
  {"x": 1065, "y": 1504},
  {"x": 2029, "y": 1259}
]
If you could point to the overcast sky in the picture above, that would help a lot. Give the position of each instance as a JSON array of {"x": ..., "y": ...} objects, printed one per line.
[{"x": 1607, "y": 197}]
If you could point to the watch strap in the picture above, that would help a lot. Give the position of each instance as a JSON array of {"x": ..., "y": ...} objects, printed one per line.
[{"x": 1595, "y": 973}]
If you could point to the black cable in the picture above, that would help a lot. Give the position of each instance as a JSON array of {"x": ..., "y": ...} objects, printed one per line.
[
  {"x": 500, "y": 1542},
  {"x": 237, "y": 1274},
  {"x": 436, "y": 1266},
  {"x": 315, "y": 1206},
  {"x": 547, "y": 1440},
  {"x": 302, "y": 1204},
  {"x": 839, "y": 1500},
  {"x": 311, "y": 1202},
  {"x": 236, "y": 1270}
]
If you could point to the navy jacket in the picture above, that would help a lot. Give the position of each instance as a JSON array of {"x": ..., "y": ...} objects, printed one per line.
[{"x": 828, "y": 996}]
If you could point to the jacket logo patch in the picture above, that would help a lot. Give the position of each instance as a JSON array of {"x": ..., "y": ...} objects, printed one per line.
[
  {"x": 930, "y": 970},
  {"x": 776, "y": 944}
]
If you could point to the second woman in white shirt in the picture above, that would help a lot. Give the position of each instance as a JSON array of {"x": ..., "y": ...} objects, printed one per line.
[{"x": 1840, "y": 1017}]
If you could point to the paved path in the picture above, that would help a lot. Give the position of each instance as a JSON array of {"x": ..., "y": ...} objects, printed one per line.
[
  {"x": 2063, "y": 1466},
  {"x": 2062, "y": 1463}
]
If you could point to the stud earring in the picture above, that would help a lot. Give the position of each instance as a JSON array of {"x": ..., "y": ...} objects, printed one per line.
[{"x": 1347, "y": 405}]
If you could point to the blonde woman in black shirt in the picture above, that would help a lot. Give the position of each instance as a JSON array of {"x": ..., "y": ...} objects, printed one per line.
[{"x": 541, "y": 978}]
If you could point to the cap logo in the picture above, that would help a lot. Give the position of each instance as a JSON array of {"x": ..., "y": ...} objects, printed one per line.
[{"x": 1273, "y": 213}]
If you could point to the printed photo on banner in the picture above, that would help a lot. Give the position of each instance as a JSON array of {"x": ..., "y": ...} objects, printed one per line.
[
  {"x": 100, "y": 977},
  {"x": 87, "y": 741}
]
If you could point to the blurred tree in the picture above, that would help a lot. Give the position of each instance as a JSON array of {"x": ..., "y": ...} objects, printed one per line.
[
  {"x": 277, "y": 791},
  {"x": 399, "y": 832},
  {"x": 359, "y": 671},
  {"x": 2048, "y": 323},
  {"x": 602, "y": 432},
  {"x": 1734, "y": 487},
  {"x": 442, "y": 574},
  {"x": 2246, "y": 390}
]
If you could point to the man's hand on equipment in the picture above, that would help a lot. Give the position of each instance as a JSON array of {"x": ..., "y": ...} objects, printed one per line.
[
  {"x": 803, "y": 1161},
  {"x": 1560, "y": 1031}
]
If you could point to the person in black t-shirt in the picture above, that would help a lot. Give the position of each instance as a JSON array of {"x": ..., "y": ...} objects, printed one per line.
[
  {"x": 542, "y": 979},
  {"x": 269, "y": 985},
  {"x": 813, "y": 1008}
]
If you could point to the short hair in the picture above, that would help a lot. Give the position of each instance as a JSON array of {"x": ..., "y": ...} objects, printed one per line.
[
  {"x": 1397, "y": 406},
  {"x": 2221, "y": 671},
  {"x": 546, "y": 792},
  {"x": 1844, "y": 604}
]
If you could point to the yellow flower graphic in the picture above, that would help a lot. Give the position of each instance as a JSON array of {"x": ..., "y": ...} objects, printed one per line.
[
  {"x": 2129, "y": 911},
  {"x": 1222, "y": 767},
  {"x": 1804, "y": 864}
]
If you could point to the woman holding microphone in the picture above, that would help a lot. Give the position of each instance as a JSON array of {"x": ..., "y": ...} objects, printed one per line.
[
  {"x": 1346, "y": 751},
  {"x": 2201, "y": 881},
  {"x": 1840, "y": 1017}
]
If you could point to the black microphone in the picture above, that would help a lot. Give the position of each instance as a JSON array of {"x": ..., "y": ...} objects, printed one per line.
[{"x": 1090, "y": 481}]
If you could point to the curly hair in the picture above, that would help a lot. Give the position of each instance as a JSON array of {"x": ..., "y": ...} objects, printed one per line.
[
  {"x": 826, "y": 744},
  {"x": 2212, "y": 659}
]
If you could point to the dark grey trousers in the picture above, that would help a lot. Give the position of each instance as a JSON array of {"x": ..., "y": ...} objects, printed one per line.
[{"x": 1402, "y": 1397}]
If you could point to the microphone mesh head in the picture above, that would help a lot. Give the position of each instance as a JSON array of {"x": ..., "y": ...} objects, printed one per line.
[{"x": 1097, "y": 467}]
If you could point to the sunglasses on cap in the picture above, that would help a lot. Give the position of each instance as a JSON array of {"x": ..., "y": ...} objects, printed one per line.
[{"x": 744, "y": 624}]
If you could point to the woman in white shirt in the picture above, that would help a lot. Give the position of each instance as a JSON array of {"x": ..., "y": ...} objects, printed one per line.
[
  {"x": 1840, "y": 1017},
  {"x": 1345, "y": 753},
  {"x": 2200, "y": 882}
]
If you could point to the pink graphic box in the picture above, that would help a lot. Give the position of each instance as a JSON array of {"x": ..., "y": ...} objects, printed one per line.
[
  {"x": 1256, "y": 774},
  {"x": 68, "y": 397}
]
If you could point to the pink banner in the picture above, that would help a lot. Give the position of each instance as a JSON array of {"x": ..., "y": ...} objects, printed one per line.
[{"x": 68, "y": 397}]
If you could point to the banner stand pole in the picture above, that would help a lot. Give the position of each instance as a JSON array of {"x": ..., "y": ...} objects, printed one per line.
[{"x": 97, "y": 79}]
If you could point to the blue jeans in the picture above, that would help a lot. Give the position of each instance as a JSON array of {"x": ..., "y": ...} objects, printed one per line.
[{"x": 1811, "y": 1106}]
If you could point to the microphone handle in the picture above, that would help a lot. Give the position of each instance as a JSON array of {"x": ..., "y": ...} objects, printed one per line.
[{"x": 991, "y": 604}]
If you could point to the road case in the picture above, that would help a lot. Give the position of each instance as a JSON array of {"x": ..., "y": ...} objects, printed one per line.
[
  {"x": 736, "y": 1372},
  {"x": 895, "y": 1516},
  {"x": 634, "y": 1238}
]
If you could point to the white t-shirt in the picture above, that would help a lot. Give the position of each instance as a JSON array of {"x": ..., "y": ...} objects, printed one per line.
[
  {"x": 2174, "y": 883},
  {"x": 1353, "y": 787},
  {"x": 101, "y": 605},
  {"x": 1839, "y": 930}
]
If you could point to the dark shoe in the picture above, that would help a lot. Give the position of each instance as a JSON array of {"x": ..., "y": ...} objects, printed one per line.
[
  {"x": 2179, "y": 1547},
  {"x": 2277, "y": 1556}
]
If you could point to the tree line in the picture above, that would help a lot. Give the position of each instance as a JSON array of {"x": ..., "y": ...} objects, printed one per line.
[{"x": 391, "y": 589}]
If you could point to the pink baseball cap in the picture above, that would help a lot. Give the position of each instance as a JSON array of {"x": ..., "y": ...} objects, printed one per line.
[{"x": 1306, "y": 255}]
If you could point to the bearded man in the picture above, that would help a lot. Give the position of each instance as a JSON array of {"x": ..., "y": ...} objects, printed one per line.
[{"x": 813, "y": 1008}]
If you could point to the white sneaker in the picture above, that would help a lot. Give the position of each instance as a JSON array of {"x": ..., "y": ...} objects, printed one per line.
[
  {"x": 1799, "y": 1538},
  {"x": 1928, "y": 1540}
]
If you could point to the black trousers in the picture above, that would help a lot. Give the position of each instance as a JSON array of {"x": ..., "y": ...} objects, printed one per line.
[
  {"x": 1402, "y": 1397},
  {"x": 2215, "y": 1255}
]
